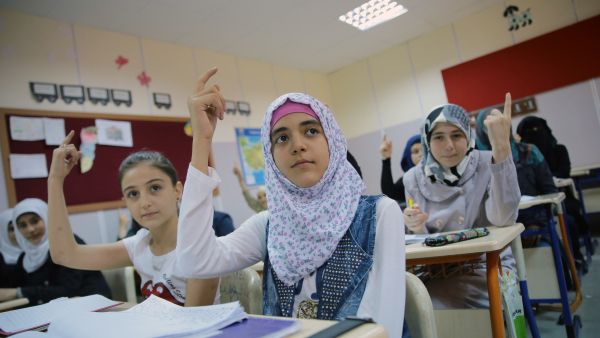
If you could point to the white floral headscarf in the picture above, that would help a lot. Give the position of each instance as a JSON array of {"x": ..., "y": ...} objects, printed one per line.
[
  {"x": 10, "y": 252},
  {"x": 306, "y": 224},
  {"x": 35, "y": 254}
]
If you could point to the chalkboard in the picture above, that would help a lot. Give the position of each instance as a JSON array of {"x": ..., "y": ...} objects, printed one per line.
[{"x": 98, "y": 188}]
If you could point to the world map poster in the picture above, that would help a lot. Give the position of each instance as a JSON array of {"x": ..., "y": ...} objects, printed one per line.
[{"x": 251, "y": 157}]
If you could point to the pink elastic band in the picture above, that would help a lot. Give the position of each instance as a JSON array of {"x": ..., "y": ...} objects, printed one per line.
[{"x": 290, "y": 107}]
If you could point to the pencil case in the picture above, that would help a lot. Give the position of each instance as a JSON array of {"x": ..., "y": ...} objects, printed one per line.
[{"x": 456, "y": 237}]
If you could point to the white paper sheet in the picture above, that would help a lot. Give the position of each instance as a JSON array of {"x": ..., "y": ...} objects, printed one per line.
[
  {"x": 420, "y": 238},
  {"x": 26, "y": 128},
  {"x": 155, "y": 317},
  {"x": 28, "y": 166},
  {"x": 35, "y": 316},
  {"x": 54, "y": 131},
  {"x": 114, "y": 133}
]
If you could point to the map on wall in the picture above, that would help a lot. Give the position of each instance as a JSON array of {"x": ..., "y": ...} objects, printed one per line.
[{"x": 252, "y": 162}]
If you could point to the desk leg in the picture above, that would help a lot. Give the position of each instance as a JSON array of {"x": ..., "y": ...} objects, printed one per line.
[
  {"x": 517, "y": 250},
  {"x": 492, "y": 259}
]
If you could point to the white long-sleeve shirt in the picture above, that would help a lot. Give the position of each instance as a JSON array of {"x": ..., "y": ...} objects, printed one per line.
[{"x": 200, "y": 254}]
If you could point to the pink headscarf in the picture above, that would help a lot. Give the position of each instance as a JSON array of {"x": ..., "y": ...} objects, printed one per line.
[{"x": 306, "y": 224}]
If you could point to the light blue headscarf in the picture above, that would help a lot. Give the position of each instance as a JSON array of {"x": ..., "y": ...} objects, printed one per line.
[{"x": 455, "y": 115}]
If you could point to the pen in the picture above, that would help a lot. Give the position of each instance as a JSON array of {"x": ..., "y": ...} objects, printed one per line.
[{"x": 410, "y": 202}]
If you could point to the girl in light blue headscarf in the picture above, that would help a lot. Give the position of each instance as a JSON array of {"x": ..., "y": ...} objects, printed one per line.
[{"x": 456, "y": 187}]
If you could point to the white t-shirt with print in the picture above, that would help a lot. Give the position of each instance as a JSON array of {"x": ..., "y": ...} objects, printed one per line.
[{"x": 156, "y": 272}]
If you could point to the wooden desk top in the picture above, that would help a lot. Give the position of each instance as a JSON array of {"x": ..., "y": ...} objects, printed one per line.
[
  {"x": 554, "y": 198},
  {"x": 498, "y": 239}
]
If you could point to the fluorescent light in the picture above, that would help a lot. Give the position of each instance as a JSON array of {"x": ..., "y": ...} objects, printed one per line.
[{"x": 372, "y": 13}]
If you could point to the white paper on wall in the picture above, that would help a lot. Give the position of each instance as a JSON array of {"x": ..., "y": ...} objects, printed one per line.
[
  {"x": 26, "y": 128},
  {"x": 54, "y": 130},
  {"x": 28, "y": 166}
]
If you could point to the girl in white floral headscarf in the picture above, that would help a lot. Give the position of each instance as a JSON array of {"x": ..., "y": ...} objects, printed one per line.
[{"x": 329, "y": 251}]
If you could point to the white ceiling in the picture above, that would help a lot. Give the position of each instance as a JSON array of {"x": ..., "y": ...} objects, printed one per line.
[{"x": 303, "y": 34}]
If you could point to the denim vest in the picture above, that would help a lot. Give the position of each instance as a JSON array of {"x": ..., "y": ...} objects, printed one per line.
[{"x": 341, "y": 281}]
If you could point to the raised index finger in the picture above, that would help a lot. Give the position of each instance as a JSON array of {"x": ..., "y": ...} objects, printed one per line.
[
  {"x": 204, "y": 79},
  {"x": 68, "y": 138},
  {"x": 508, "y": 106}
]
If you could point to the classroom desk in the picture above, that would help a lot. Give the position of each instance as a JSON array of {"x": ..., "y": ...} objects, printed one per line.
[
  {"x": 14, "y": 303},
  {"x": 310, "y": 326},
  {"x": 491, "y": 245},
  {"x": 556, "y": 199}
]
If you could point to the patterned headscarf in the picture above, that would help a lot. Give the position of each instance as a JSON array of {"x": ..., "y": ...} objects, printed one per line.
[
  {"x": 306, "y": 224},
  {"x": 35, "y": 254},
  {"x": 10, "y": 252},
  {"x": 455, "y": 115}
]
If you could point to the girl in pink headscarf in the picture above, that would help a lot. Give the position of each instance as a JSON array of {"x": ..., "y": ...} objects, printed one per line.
[{"x": 329, "y": 251}]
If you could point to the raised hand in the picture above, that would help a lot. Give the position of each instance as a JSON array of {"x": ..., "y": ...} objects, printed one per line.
[
  {"x": 64, "y": 158},
  {"x": 205, "y": 106},
  {"x": 237, "y": 172},
  {"x": 385, "y": 149},
  {"x": 414, "y": 219},
  {"x": 498, "y": 125}
]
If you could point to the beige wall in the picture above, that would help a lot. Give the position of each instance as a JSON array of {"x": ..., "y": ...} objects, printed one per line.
[
  {"x": 43, "y": 50},
  {"x": 385, "y": 90},
  {"x": 402, "y": 83}
]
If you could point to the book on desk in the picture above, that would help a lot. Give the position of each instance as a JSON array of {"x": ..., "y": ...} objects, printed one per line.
[{"x": 155, "y": 317}]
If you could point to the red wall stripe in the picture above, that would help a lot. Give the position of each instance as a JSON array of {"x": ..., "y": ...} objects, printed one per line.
[{"x": 559, "y": 58}]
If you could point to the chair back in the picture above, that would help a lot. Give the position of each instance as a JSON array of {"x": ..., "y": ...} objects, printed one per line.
[
  {"x": 244, "y": 286},
  {"x": 419, "y": 309},
  {"x": 122, "y": 284}
]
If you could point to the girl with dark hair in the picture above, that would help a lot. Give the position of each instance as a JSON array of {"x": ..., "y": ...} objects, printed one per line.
[{"x": 151, "y": 190}]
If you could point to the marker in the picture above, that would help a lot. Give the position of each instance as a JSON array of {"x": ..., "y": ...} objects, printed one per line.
[{"x": 410, "y": 202}]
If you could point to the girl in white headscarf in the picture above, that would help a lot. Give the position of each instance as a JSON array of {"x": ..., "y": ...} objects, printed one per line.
[
  {"x": 39, "y": 279},
  {"x": 329, "y": 250},
  {"x": 9, "y": 248}
]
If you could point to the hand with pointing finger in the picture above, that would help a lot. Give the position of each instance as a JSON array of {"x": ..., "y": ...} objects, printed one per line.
[
  {"x": 205, "y": 106},
  {"x": 64, "y": 158},
  {"x": 385, "y": 149},
  {"x": 498, "y": 125}
]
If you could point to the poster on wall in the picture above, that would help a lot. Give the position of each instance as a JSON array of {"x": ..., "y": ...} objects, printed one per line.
[
  {"x": 26, "y": 128},
  {"x": 252, "y": 162},
  {"x": 114, "y": 133}
]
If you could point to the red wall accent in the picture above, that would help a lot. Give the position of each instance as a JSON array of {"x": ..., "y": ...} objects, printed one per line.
[{"x": 562, "y": 57}]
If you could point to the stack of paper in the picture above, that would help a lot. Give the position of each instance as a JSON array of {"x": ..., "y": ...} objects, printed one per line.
[
  {"x": 155, "y": 317},
  {"x": 38, "y": 317}
]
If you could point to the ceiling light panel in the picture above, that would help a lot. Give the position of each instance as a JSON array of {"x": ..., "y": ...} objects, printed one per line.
[{"x": 373, "y": 13}]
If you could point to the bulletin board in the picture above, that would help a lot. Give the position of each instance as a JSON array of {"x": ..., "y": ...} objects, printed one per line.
[{"x": 98, "y": 188}]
